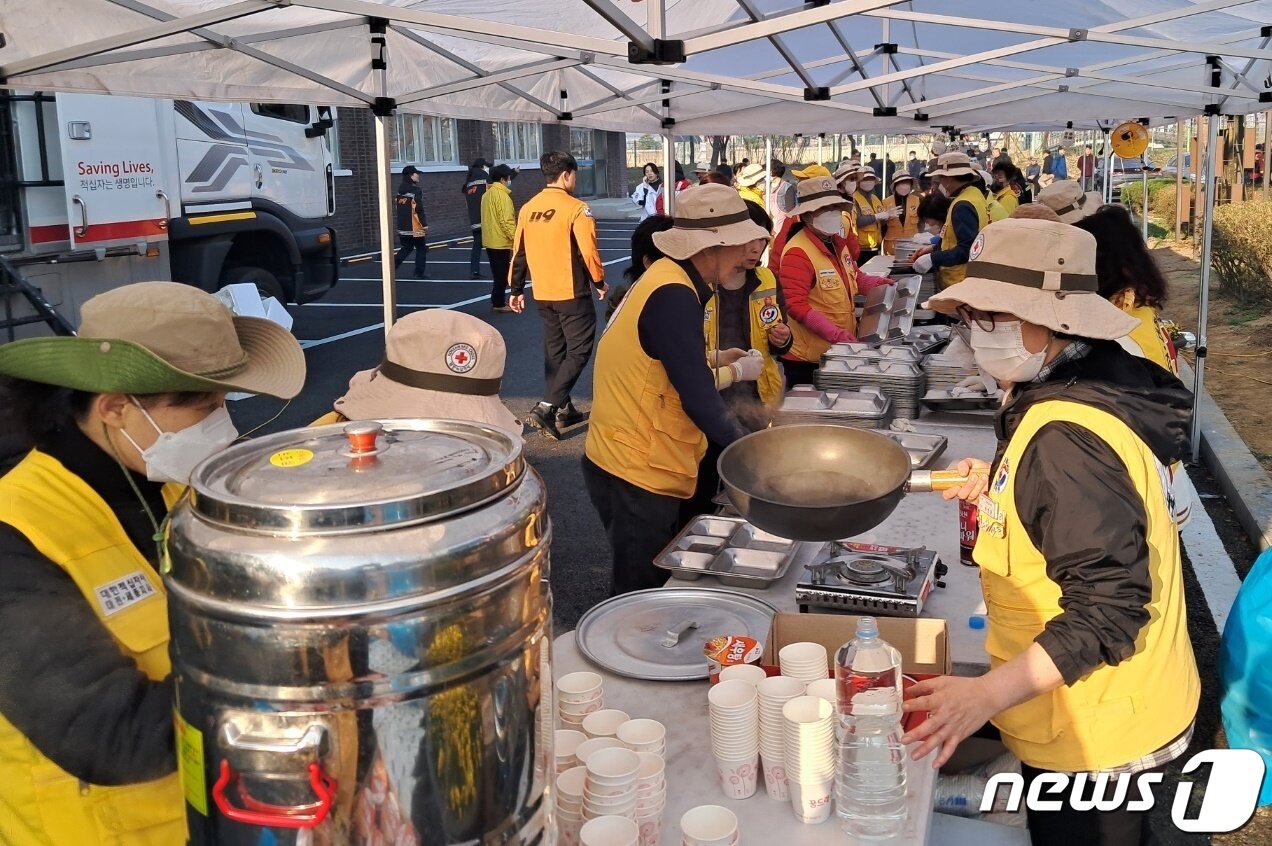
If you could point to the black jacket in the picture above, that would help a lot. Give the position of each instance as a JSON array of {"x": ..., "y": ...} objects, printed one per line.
[
  {"x": 410, "y": 198},
  {"x": 475, "y": 183},
  {"x": 63, "y": 681},
  {"x": 1077, "y": 502}
]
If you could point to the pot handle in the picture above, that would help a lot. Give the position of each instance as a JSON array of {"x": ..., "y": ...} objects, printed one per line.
[
  {"x": 276, "y": 816},
  {"x": 926, "y": 481}
]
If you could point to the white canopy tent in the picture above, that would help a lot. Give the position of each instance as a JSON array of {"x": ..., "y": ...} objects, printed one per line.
[{"x": 683, "y": 66}]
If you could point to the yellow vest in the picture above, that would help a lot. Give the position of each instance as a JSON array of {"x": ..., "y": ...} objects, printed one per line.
[
  {"x": 1007, "y": 200},
  {"x": 764, "y": 315},
  {"x": 896, "y": 230},
  {"x": 995, "y": 210},
  {"x": 1116, "y": 713},
  {"x": 1149, "y": 339},
  {"x": 869, "y": 235},
  {"x": 831, "y": 295},
  {"x": 40, "y": 803},
  {"x": 752, "y": 194},
  {"x": 638, "y": 430},
  {"x": 948, "y": 276}
]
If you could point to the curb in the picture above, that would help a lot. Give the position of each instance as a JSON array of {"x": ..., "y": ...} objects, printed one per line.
[{"x": 1244, "y": 482}]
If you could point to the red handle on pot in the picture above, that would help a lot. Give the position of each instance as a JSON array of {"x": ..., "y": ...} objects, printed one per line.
[{"x": 276, "y": 816}]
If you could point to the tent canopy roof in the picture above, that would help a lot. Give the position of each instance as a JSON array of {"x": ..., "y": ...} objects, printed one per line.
[{"x": 750, "y": 65}]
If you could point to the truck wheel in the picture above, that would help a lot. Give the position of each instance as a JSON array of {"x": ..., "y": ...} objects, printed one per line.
[{"x": 266, "y": 282}]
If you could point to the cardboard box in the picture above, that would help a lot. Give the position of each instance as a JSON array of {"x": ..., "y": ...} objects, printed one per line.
[{"x": 922, "y": 641}]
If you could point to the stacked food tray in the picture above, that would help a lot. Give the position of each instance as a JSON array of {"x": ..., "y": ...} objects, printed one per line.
[
  {"x": 945, "y": 371},
  {"x": 901, "y": 381},
  {"x": 927, "y": 339},
  {"x": 729, "y": 548},
  {"x": 889, "y": 311},
  {"x": 924, "y": 449},
  {"x": 963, "y": 399},
  {"x": 898, "y": 351},
  {"x": 864, "y": 408}
]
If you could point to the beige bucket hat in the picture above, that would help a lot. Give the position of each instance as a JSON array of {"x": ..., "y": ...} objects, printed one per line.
[
  {"x": 952, "y": 164},
  {"x": 902, "y": 177},
  {"x": 162, "y": 337},
  {"x": 708, "y": 216},
  {"x": 752, "y": 174},
  {"x": 1067, "y": 199},
  {"x": 438, "y": 363},
  {"x": 817, "y": 194},
  {"x": 846, "y": 171},
  {"x": 1041, "y": 272}
]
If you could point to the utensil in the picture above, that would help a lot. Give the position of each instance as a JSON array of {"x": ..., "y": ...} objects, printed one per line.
[{"x": 821, "y": 482}]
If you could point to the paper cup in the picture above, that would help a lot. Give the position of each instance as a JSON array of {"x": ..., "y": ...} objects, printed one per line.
[
  {"x": 571, "y": 782},
  {"x": 582, "y": 684},
  {"x": 568, "y": 831},
  {"x": 738, "y": 778},
  {"x": 596, "y": 744},
  {"x": 614, "y": 766},
  {"x": 640, "y": 735},
  {"x": 779, "y": 688},
  {"x": 580, "y": 711},
  {"x": 652, "y": 770},
  {"x": 811, "y": 802},
  {"x": 608, "y": 791},
  {"x": 565, "y": 742},
  {"x": 749, "y": 673},
  {"x": 650, "y": 830},
  {"x": 823, "y": 689},
  {"x": 803, "y": 654},
  {"x": 730, "y": 696},
  {"x": 709, "y": 825},
  {"x": 604, "y": 723},
  {"x": 775, "y": 777},
  {"x": 609, "y": 831}
]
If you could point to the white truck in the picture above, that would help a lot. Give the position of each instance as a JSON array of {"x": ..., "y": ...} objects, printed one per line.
[{"x": 99, "y": 191}]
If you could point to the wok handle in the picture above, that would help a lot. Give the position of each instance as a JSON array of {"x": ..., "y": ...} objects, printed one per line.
[{"x": 925, "y": 481}]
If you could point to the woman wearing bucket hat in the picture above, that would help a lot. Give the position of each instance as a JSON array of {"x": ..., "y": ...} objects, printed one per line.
[
  {"x": 819, "y": 279},
  {"x": 437, "y": 363},
  {"x": 750, "y": 181},
  {"x": 956, "y": 179},
  {"x": 1092, "y": 667},
  {"x": 134, "y": 402},
  {"x": 657, "y": 403},
  {"x": 903, "y": 204},
  {"x": 1067, "y": 199},
  {"x": 870, "y": 214}
]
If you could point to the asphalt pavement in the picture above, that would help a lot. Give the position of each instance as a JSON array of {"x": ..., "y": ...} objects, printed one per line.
[{"x": 343, "y": 334}]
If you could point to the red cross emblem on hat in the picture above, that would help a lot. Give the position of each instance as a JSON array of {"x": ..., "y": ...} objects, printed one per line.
[{"x": 461, "y": 358}]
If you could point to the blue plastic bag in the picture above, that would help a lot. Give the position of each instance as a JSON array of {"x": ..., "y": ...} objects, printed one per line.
[{"x": 1245, "y": 669}]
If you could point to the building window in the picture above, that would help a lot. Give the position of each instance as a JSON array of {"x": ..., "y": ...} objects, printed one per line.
[
  {"x": 421, "y": 140},
  {"x": 518, "y": 142}
]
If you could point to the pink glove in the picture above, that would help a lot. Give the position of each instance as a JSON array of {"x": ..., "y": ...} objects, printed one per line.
[
  {"x": 826, "y": 329},
  {"x": 866, "y": 282}
]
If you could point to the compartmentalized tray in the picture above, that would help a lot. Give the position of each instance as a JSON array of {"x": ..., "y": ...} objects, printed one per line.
[{"x": 729, "y": 548}]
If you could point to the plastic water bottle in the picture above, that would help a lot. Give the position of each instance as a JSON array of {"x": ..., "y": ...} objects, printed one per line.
[{"x": 870, "y": 768}]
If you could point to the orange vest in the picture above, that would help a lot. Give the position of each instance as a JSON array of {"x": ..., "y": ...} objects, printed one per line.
[
  {"x": 834, "y": 286},
  {"x": 896, "y": 230}
]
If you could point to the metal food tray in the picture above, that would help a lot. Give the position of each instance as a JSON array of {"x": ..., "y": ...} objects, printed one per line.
[
  {"x": 889, "y": 311},
  {"x": 729, "y": 548},
  {"x": 942, "y": 399},
  {"x": 924, "y": 449},
  {"x": 925, "y": 340},
  {"x": 900, "y": 351}
]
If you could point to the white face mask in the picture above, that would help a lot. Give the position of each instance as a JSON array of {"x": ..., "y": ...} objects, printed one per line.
[
  {"x": 828, "y": 222},
  {"x": 944, "y": 190},
  {"x": 903, "y": 190},
  {"x": 869, "y": 187},
  {"x": 934, "y": 229},
  {"x": 1002, "y": 353},
  {"x": 850, "y": 187},
  {"x": 173, "y": 457}
]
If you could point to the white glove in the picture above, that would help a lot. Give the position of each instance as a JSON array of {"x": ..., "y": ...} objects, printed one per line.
[
  {"x": 923, "y": 264},
  {"x": 979, "y": 383},
  {"x": 748, "y": 368}
]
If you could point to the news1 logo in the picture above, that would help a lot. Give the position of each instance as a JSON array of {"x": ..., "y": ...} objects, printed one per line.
[{"x": 1231, "y": 791}]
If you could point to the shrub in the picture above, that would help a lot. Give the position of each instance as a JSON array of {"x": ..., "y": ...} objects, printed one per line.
[
  {"x": 1161, "y": 201},
  {"x": 1241, "y": 253}
]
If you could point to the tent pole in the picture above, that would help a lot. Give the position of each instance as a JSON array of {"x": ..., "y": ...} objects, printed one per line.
[
  {"x": 669, "y": 169},
  {"x": 1108, "y": 174},
  {"x": 1200, "y": 167},
  {"x": 768, "y": 173},
  {"x": 1267, "y": 151},
  {"x": 1179, "y": 179},
  {"x": 821, "y": 156},
  {"x": 383, "y": 114},
  {"x": 1203, "y": 304},
  {"x": 1144, "y": 195}
]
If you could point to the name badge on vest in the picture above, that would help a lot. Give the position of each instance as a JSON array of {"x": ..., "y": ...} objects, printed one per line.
[
  {"x": 828, "y": 279},
  {"x": 768, "y": 312},
  {"x": 991, "y": 518},
  {"x": 123, "y": 593}
]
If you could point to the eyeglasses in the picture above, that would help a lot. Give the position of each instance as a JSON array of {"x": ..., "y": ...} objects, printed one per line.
[{"x": 984, "y": 320}]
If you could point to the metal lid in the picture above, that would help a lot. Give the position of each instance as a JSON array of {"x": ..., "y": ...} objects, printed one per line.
[
  {"x": 648, "y": 634},
  {"x": 357, "y": 476}
]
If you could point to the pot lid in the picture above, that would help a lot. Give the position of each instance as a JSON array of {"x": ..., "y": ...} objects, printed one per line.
[
  {"x": 357, "y": 476},
  {"x": 659, "y": 634}
]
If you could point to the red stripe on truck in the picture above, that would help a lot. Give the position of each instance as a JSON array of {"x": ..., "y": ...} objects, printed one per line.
[{"x": 98, "y": 231}]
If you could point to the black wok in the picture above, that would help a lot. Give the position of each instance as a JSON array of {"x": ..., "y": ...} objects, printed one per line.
[{"x": 820, "y": 482}]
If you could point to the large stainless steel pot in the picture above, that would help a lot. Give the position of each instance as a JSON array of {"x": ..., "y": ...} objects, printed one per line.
[
  {"x": 821, "y": 482},
  {"x": 360, "y": 636}
]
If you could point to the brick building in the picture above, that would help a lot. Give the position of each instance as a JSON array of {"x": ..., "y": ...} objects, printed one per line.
[{"x": 443, "y": 148}]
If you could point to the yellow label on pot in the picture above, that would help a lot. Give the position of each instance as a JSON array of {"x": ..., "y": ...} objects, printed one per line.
[
  {"x": 194, "y": 782},
  {"x": 291, "y": 458}
]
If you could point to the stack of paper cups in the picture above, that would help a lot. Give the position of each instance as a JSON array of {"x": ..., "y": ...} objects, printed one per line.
[
  {"x": 735, "y": 736},
  {"x": 569, "y": 804},
  {"x": 586, "y": 749},
  {"x": 744, "y": 672},
  {"x": 807, "y": 662},
  {"x": 651, "y": 797},
  {"x": 709, "y": 825},
  {"x": 604, "y": 723},
  {"x": 578, "y": 694},
  {"x": 610, "y": 786},
  {"x": 774, "y": 692},
  {"x": 609, "y": 831},
  {"x": 565, "y": 744},
  {"x": 823, "y": 689},
  {"x": 810, "y": 760},
  {"x": 643, "y": 736}
]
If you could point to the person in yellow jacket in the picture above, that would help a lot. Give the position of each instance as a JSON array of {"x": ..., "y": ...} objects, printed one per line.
[
  {"x": 903, "y": 205},
  {"x": 498, "y": 226},
  {"x": 870, "y": 215},
  {"x": 750, "y": 181},
  {"x": 1092, "y": 669},
  {"x": 656, "y": 399},
  {"x": 111, "y": 424},
  {"x": 956, "y": 179}
]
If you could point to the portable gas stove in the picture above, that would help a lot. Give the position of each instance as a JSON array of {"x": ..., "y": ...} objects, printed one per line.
[{"x": 889, "y": 581}]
